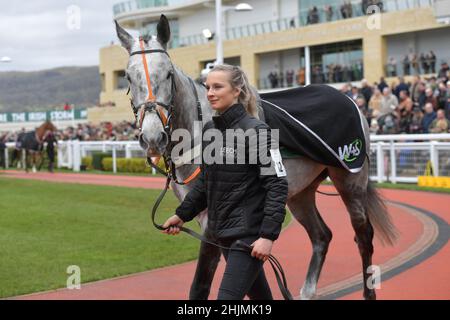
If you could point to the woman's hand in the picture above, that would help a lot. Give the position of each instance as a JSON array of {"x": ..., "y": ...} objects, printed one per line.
[
  {"x": 172, "y": 225},
  {"x": 262, "y": 248}
]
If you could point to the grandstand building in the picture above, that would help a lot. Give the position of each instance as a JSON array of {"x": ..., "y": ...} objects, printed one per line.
[{"x": 347, "y": 41}]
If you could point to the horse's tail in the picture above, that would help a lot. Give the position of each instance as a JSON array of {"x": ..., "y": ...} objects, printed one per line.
[{"x": 379, "y": 217}]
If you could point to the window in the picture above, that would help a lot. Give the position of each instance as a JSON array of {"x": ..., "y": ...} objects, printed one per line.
[{"x": 120, "y": 81}]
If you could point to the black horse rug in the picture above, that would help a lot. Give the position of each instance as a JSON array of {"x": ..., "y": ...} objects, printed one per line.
[
  {"x": 28, "y": 141},
  {"x": 319, "y": 122}
]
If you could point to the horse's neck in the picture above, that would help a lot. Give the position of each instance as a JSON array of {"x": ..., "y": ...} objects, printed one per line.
[
  {"x": 186, "y": 113},
  {"x": 39, "y": 132},
  {"x": 185, "y": 102}
]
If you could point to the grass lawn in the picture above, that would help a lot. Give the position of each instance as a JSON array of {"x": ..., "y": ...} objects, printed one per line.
[{"x": 106, "y": 231}]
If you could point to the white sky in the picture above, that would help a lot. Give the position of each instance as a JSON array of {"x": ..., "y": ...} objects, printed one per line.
[{"x": 35, "y": 33}]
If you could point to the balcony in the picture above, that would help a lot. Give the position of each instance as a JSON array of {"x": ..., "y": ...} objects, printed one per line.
[{"x": 307, "y": 17}]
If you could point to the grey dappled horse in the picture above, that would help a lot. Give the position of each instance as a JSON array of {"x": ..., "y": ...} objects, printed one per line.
[{"x": 171, "y": 86}]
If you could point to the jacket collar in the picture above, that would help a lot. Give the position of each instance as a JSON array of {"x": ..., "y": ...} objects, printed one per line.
[{"x": 233, "y": 114}]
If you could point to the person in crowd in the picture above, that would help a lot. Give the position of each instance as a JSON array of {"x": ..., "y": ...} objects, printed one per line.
[
  {"x": 290, "y": 78},
  {"x": 441, "y": 124},
  {"x": 443, "y": 72},
  {"x": 382, "y": 84},
  {"x": 317, "y": 75},
  {"x": 375, "y": 103},
  {"x": 430, "y": 98},
  {"x": 3, "y": 139},
  {"x": 432, "y": 59},
  {"x": 441, "y": 95},
  {"x": 301, "y": 77},
  {"x": 424, "y": 62},
  {"x": 404, "y": 112},
  {"x": 392, "y": 67},
  {"x": 416, "y": 121},
  {"x": 428, "y": 117},
  {"x": 328, "y": 12},
  {"x": 414, "y": 90},
  {"x": 366, "y": 90},
  {"x": 401, "y": 86},
  {"x": 389, "y": 102},
  {"x": 51, "y": 142}
]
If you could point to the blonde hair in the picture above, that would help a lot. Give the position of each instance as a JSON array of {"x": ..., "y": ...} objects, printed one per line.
[{"x": 238, "y": 79}]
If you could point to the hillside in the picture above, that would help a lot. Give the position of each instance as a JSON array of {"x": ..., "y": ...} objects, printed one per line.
[{"x": 46, "y": 89}]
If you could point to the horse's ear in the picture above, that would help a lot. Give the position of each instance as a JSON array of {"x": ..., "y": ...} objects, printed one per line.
[
  {"x": 163, "y": 30},
  {"x": 125, "y": 38}
]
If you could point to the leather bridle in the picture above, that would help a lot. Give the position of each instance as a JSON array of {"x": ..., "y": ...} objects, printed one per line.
[{"x": 151, "y": 104}]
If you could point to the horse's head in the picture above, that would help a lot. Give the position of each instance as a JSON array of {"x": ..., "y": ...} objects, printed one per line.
[
  {"x": 150, "y": 74},
  {"x": 45, "y": 127},
  {"x": 48, "y": 125}
]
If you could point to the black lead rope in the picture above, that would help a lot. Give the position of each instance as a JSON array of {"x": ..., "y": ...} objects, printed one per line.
[{"x": 240, "y": 246}]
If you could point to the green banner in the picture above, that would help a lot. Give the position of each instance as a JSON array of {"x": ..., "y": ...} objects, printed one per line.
[{"x": 56, "y": 115}]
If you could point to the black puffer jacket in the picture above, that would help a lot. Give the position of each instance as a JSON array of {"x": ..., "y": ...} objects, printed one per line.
[{"x": 242, "y": 199}]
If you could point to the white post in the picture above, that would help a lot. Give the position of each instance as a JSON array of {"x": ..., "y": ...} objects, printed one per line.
[
  {"x": 6, "y": 158},
  {"x": 434, "y": 158},
  {"x": 59, "y": 155},
  {"x": 380, "y": 162},
  {"x": 219, "y": 44},
  {"x": 307, "y": 66},
  {"x": 128, "y": 151},
  {"x": 393, "y": 163},
  {"x": 83, "y": 151},
  {"x": 69, "y": 154},
  {"x": 114, "y": 159},
  {"x": 76, "y": 156}
]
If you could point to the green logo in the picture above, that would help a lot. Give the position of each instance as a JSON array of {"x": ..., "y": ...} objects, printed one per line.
[{"x": 350, "y": 152}]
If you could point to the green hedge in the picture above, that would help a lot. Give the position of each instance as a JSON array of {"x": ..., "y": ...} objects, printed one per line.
[
  {"x": 97, "y": 159},
  {"x": 134, "y": 165},
  {"x": 87, "y": 163}
]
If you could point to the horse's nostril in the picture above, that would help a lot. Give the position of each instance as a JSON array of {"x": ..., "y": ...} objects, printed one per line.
[
  {"x": 142, "y": 140},
  {"x": 162, "y": 138}
]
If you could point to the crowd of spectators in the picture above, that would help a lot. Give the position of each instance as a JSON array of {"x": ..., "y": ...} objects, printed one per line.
[
  {"x": 413, "y": 63},
  {"x": 421, "y": 106},
  {"x": 344, "y": 11},
  {"x": 105, "y": 131}
]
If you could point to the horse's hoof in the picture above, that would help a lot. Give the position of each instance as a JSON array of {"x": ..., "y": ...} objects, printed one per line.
[
  {"x": 307, "y": 295},
  {"x": 370, "y": 296}
]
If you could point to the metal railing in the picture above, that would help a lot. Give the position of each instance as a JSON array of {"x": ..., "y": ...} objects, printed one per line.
[
  {"x": 304, "y": 19},
  {"x": 129, "y": 6},
  {"x": 393, "y": 158}
]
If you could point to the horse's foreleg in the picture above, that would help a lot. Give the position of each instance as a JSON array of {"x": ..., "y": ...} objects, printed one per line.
[
  {"x": 25, "y": 155},
  {"x": 208, "y": 260},
  {"x": 33, "y": 161}
]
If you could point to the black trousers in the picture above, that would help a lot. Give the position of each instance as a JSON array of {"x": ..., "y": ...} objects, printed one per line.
[{"x": 244, "y": 275}]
